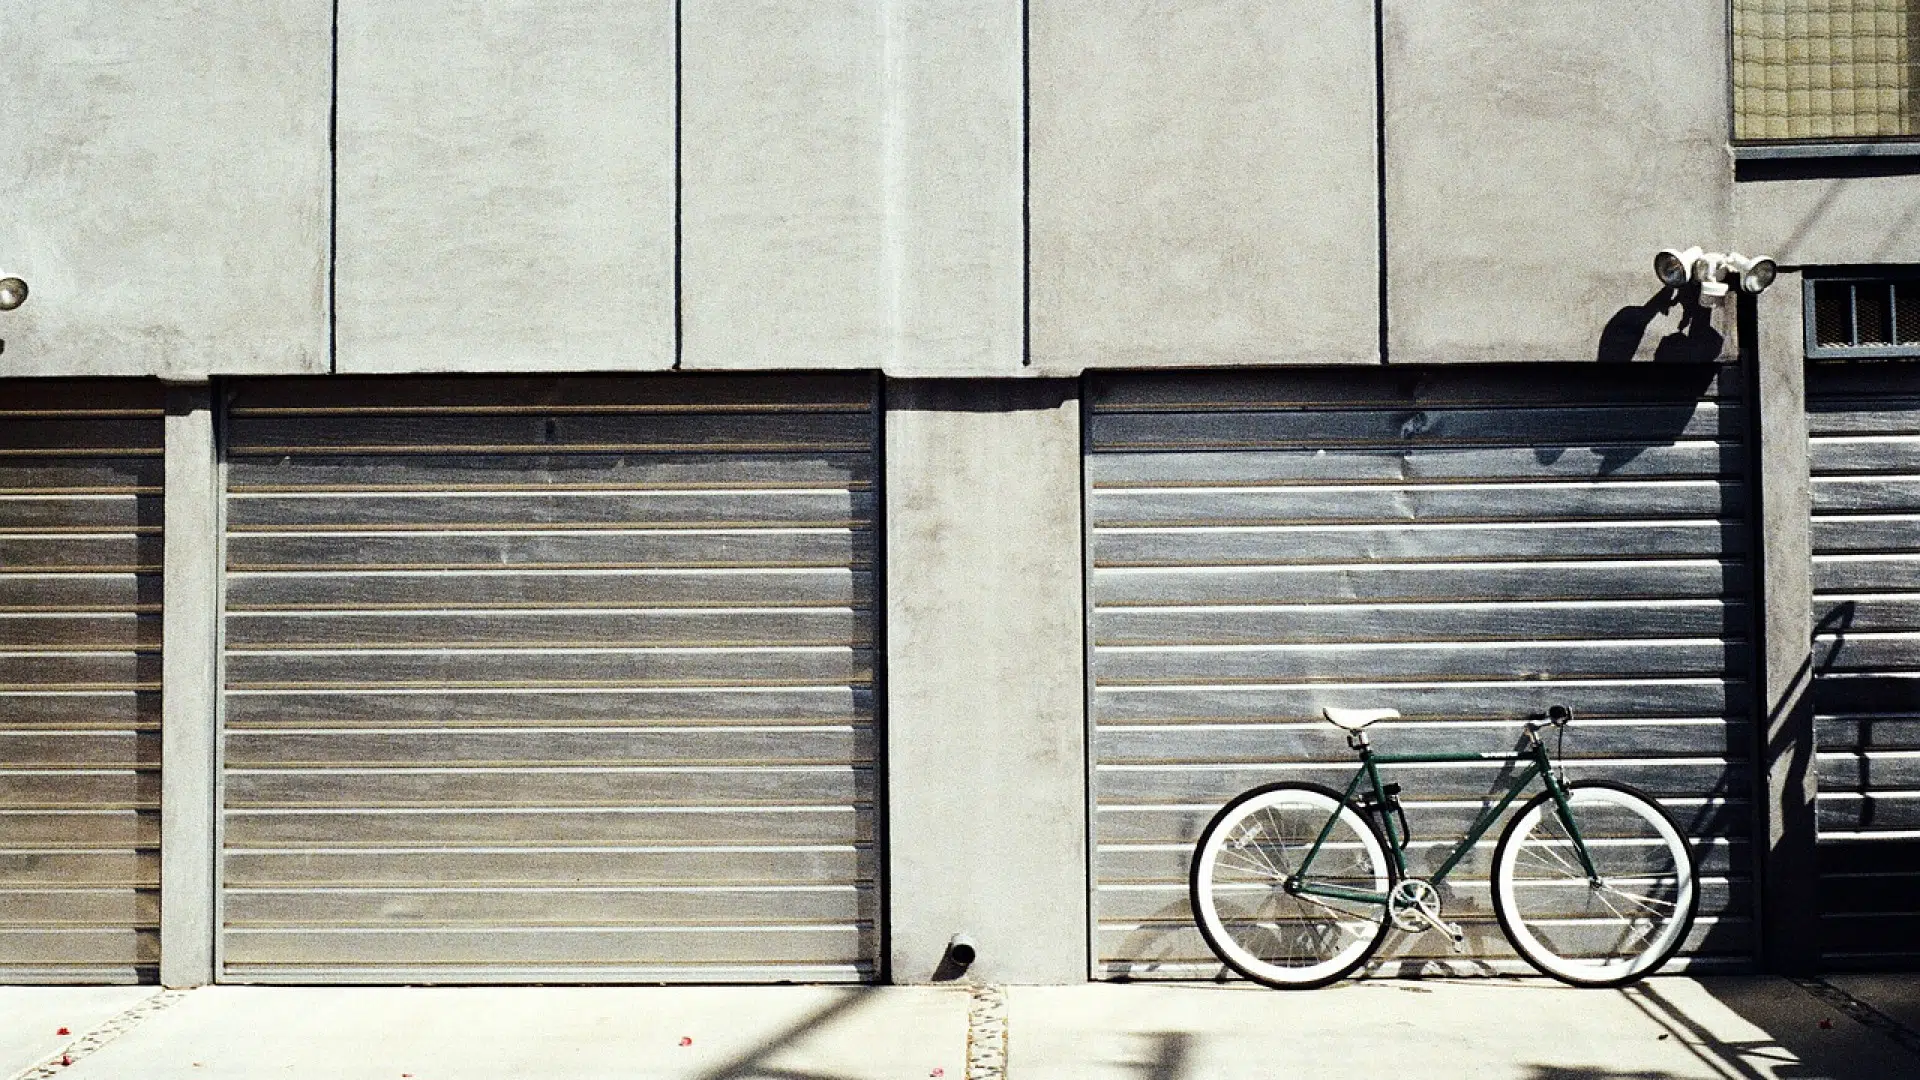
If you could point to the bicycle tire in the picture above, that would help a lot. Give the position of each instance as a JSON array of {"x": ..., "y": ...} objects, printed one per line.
[
  {"x": 1606, "y": 931},
  {"x": 1248, "y": 918}
]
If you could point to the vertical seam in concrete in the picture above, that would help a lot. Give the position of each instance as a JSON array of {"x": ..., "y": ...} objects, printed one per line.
[
  {"x": 1380, "y": 161},
  {"x": 679, "y": 201},
  {"x": 1026, "y": 184},
  {"x": 333, "y": 198},
  {"x": 892, "y": 187}
]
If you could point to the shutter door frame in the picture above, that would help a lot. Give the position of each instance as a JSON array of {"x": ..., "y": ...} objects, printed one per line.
[
  {"x": 81, "y": 554},
  {"x": 576, "y": 843},
  {"x": 1863, "y": 424},
  {"x": 1372, "y": 451}
]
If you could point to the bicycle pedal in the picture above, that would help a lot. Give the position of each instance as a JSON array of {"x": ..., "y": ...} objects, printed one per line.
[{"x": 1457, "y": 937}]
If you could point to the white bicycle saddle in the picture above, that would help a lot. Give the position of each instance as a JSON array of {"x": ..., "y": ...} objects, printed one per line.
[{"x": 1355, "y": 719}]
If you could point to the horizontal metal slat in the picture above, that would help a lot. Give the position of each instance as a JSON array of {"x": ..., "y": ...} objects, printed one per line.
[
  {"x": 837, "y": 864},
  {"x": 32, "y": 434},
  {"x": 1398, "y": 427},
  {"x": 357, "y": 474},
  {"x": 247, "y": 710},
  {"x": 79, "y": 908},
  {"x": 535, "y": 668},
  {"x": 1195, "y": 743},
  {"x": 1218, "y": 782},
  {"x": 478, "y": 788},
  {"x": 435, "y": 511},
  {"x": 1439, "y": 701},
  {"x": 1562, "y": 460},
  {"x": 534, "y": 589},
  {"x": 559, "y": 905},
  {"x": 77, "y": 948},
  {"x": 1356, "y": 623},
  {"x": 71, "y": 868},
  {"x": 1413, "y": 661},
  {"x": 625, "y": 627},
  {"x": 1517, "y": 582},
  {"x": 1447, "y": 822},
  {"x": 510, "y": 553},
  {"x": 1482, "y": 502},
  {"x": 447, "y": 744},
  {"x": 1517, "y": 385},
  {"x": 600, "y": 826},
  {"x": 1243, "y": 545}
]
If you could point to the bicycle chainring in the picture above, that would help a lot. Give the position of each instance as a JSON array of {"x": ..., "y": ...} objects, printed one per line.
[{"x": 1414, "y": 906}]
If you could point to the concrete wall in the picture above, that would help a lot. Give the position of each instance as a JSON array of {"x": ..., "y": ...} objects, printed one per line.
[
  {"x": 163, "y": 187},
  {"x": 1204, "y": 185},
  {"x": 505, "y": 186},
  {"x": 954, "y": 188},
  {"x": 1538, "y": 154},
  {"x": 986, "y": 683},
  {"x": 851, "y": 189}
]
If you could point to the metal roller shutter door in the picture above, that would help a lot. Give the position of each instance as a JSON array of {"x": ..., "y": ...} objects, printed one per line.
[
  {"x": 1864, "y": 423},
  {"x": 550, "y": 680},
  {"x": 80, "y": 552},
  {"x": 1464, "y": 545}
]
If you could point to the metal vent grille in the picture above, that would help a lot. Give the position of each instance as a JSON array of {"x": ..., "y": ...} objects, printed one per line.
[
  {"x": 1863, "y": 317},
  {"x": 1824, "y": 69}
]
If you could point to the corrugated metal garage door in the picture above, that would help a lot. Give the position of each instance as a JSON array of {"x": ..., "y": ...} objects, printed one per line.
[
  {"x": 80, "y": 552},
  {"x": 1463, "y": 545},
  {"x": 1864, "y": 420},
  {"x": 550, "y": 680}
]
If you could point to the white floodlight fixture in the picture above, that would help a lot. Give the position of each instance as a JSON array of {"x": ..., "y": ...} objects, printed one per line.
[
  {"x": 1754, "y": 274},
  {"x": 1675, "y": 266}
]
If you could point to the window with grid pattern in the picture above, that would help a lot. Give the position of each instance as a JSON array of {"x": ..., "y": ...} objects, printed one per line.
[
  {"x": 1825, "y": 69},
  {"x": 1863, "y": 317}
]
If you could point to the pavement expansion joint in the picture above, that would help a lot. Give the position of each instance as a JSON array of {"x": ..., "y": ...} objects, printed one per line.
[
  {"x": 1906, "y": 1037},
  {"x": 987, "y": 1033},
  {"x": 101, "y": 1035}
]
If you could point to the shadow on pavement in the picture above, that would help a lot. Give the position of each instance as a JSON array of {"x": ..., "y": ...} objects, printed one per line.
[{"x": 755, "y": 1063}]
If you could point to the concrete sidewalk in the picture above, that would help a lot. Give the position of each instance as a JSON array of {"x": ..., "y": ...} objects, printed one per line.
[{"x": 1484, "y": 1029}]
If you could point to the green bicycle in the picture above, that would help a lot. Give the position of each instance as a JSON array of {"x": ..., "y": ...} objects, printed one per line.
[{"x": 1294, "y": 885}]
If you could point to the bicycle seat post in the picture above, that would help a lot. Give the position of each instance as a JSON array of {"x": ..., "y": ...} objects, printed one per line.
[{"x": 1357, "y": 740}]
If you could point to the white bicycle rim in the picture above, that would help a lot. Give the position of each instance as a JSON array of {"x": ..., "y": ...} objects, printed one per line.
[
  {"x": 1210, "y": 915},
  {"x": 1603, "y": 970}
]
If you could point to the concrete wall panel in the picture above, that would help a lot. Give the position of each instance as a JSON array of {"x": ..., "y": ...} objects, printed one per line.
[
  {"x": 1204, "y": 187},
  {"x": 851, "y": 185},
  {"x": 1861, "y": 219},
  {"x": 1538, "y": 154},
  {"x": 506, "y": 186},
  {"x": 986, "y": 708},
  {"x": 163, "y": 168}
]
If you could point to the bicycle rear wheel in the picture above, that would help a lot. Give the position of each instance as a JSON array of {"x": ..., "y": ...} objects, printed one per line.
[
  {"x": 1239, "y": 885},
  {"x": 1611, "y": 928}
]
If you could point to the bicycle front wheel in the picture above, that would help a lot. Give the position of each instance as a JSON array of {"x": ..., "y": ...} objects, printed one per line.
[
  {"x": 1611, "y": 927},
  {"x": 1245, "y": 877}
]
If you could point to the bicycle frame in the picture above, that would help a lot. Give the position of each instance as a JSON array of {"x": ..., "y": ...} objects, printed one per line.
[{"x": 1537, "y": 765}]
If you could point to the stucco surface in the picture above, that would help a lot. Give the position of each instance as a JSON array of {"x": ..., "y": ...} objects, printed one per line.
[
  {"x": 506, "y": 191},
  {"x": 1203, "y": 184},
  {"x": 986, "y": 721},
  {"x": 1538, "y": 155},
  {"x": 851, "y": 185},
  {"x": 163, "y": 173}
]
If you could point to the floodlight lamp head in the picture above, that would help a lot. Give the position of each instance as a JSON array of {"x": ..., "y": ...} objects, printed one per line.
[
  {"x": 1754, "y": 274},
  {"x": 1675, "y": 266}
]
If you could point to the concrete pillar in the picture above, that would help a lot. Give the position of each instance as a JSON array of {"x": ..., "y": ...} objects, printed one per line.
[
  {"x": 191, "y": 606},
  {"x": 1789, "y": 901},
  {"x": 986, "y": 750}
]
